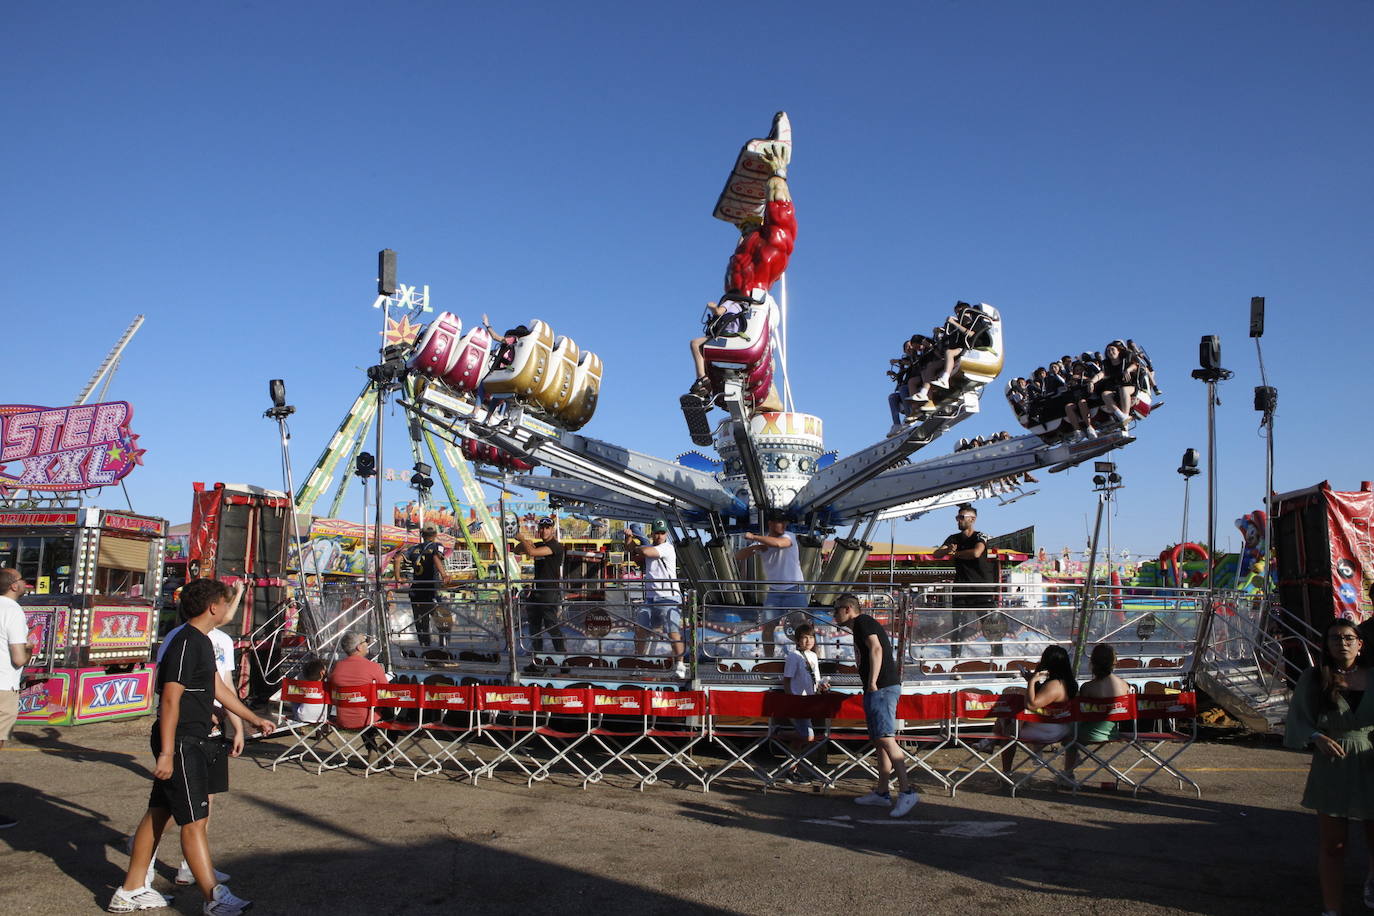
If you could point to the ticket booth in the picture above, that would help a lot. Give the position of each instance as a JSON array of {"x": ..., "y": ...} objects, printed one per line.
[{"x": 93, "y": 612}]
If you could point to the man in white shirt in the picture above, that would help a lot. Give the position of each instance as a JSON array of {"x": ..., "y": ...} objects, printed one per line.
[
  {"x": 662, "y": 610},
  {"x": 781, "y": 570},
  {"x": 14, "y": 628}
]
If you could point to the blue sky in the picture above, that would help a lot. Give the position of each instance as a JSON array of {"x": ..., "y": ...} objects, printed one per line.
[{"x": 1093, "y": 170}]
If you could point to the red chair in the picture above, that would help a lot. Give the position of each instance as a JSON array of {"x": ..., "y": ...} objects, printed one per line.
[
  {"x": 311, "y": 695},
  {"x": 505, "y": 720},
  {"x": 667, "y": 729},
  {"x": 1162, "y": 720},
  {"x": 355, "y": 746},
  {"x": 923, "y": 729},
  {"x": 975, "y": 731},
  {"x": 564, "y": 721},
  {"x": 1035, "y": 758},
  {"x": 395, "y": 732},
  {"x": 448, "y": 719},
  {"x": 1093, "y": 710},
  {"x": 617, "y": 723}
]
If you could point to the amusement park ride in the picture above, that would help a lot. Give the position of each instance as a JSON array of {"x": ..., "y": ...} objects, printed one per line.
[{"x": 518, "y": 400}]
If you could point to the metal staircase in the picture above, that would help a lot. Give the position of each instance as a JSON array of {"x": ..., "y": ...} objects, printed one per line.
[{"x": 1251, "y": 654}]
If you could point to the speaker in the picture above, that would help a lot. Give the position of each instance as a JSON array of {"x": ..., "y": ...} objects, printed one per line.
[
  {"x": 1266, "y": 398},
  {"x": 234, "y": 522},
  {"x": 386, "y": 272},
  {"x": 271, "y": 552},
  {"x": 1256, "y": 316},
  {"x": 1209, "y": 352}
]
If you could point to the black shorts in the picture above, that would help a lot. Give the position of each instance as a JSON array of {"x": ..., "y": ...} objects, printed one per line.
[
  {"x": 420, "y": 597},
  {"x": 200, "y": 768}
]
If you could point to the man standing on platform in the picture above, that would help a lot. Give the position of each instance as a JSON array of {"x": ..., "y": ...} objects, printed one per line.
[
  {"x": 974, "y": 577},
  {"x": 546, "y": 592},
  {"x": 881, "y": 679},
  {"x": 426, "y": 561},
  {"x": 14, "y": 629},
  {"x": 662, "y": 611},
  {"x": 781, "y": 570}
]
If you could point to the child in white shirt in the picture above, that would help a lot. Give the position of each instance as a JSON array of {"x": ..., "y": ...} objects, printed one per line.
[{"x": 801, "y": 676}]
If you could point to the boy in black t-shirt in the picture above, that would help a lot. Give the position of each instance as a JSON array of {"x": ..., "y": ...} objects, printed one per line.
[
  {"x": 541, "y": 607},
  {"x": 882, "y": 684},
  {"x": 182, "y": 776}
]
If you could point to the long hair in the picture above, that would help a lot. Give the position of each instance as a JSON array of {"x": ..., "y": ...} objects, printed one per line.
[
  {"x": 1055, "y": 660},
  {"x": 1332, "y": 681}
]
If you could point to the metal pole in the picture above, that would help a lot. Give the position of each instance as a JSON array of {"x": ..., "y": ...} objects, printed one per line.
[
  {"x": 1211, "y": 482},
  {"x": 1183, "y": 536},
  {"x": 295, "y": 522},
  {"x": 1089, "y": 590},
  {"x": 508, "y": 599}
]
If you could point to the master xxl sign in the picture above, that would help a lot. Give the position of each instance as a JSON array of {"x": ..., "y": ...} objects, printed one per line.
[{"x": 66, "y": 448}]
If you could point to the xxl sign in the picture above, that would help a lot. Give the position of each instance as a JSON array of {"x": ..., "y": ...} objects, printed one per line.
[{"x": 66, "y": 448}]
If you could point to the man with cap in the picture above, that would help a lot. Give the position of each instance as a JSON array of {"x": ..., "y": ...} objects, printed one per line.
[
  {"x": 781, "y": 570},
  {"x": 662, "y": 610},
  {"x": 356, "y": 669},
  {"x": 542, "y": 604},
  {"x": 426, "y": 562}
]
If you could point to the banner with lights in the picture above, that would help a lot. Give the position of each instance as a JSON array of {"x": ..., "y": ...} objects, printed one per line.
[{"x": 66, "y": 448}]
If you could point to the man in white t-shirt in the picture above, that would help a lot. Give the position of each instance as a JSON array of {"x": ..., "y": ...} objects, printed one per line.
[
  {"x": 662, "y": 610},
  {"x": 223, "y": 645},
  {"x": 14, "y": 628},
  {"x": 781, "y": 570}
]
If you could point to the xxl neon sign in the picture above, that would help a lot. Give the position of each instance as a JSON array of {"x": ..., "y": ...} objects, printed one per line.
[{"x": 67, "y": 448}]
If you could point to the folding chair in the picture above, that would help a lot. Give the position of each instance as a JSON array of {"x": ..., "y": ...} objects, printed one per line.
[
  {"x": 440, "y": 704},
  {"x": 505, "y": 720},
  {"x": 676, "y": 737},
  {"x": 564, "y": 722},
  {"x": 307, "y": 735},
  {"x": 397, "y": 734},
  {"x": 617, "y": 723},
  {"x": 915, "y": 713},
  {"x": 1164, "y": 719},
  {"x": 738, "y": 725},
  {"x": 1092, "y": 710},
  {"x": 846, "y": 733},
  {"x": 1035, "y": 758},
  {"x": 976, "y": 713},
  {"x": 354, "y": 746}
]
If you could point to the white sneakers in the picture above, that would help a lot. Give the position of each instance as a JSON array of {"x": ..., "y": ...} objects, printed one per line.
[
  {"x": 680, "y": 670},
  {"x": 904, "y": 803},
  {"x": 875, "y": 800},
  {"x": 224, "y": 903},
  {"x": 145, "y": 898},
  {"x": 185, "y": 877}
]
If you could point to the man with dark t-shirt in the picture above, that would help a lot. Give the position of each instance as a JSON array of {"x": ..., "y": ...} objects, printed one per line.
[
  {"x": 974, "y": 575},
  {"x": 541, "y": 607},
  {"x": 882, "y": 685},
  {"x": 188, "y": 768},
  {"x": 426, "y": 562}
]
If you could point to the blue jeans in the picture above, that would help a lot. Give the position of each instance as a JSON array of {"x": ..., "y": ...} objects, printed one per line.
[{"x": 880, "y": 711}]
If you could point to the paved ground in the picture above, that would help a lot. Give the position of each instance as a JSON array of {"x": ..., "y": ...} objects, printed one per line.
[{"x": 298, "y": 843}]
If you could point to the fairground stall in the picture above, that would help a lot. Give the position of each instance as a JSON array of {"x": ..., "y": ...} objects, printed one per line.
[{"x": 96, "y": 573}]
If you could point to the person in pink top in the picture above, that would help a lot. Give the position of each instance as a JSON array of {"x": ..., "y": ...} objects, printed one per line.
[{"x": 355, "y": 669}]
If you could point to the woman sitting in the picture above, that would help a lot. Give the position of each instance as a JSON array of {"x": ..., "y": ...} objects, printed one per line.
[
  {"x": 1105, "y": 685},
  {"x": 1117, "y": 385},
  {"x": 958, "y": 335},
  {"x": 1051, "y": 682}
]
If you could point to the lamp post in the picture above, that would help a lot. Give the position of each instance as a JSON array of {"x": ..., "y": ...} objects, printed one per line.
[
  {"x": 1189, "y": 469},
  {"x": 1211, "y": 372},
  {"x": 1106, "y": 481},
  {"x": 1267, "y": 402},
  {"x": 279, "y": 411}
]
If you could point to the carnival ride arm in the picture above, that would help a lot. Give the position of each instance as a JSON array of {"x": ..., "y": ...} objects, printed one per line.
[{"x": 777, "y": 155}]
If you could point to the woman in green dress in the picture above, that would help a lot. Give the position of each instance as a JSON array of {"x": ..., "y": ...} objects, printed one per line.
[{"x": 1329, "y": 711}]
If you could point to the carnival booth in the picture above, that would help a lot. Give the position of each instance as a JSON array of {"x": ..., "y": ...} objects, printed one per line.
[{"x": 92, "y": 615}]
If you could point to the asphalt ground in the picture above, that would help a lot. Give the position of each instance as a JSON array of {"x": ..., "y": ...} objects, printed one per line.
[{"x": 296, "y": 842}]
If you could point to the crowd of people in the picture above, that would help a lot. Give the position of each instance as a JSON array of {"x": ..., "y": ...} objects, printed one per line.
[
  {"x": 930, "y": 362},
  {"x": 1084, "y": 391},
  {"x": 1002, "y": 484}
]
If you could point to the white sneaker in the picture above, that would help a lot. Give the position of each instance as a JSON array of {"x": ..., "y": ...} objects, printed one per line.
[
  {"x": 224, "y": 903},
  {"x": 904, "y": 803},
  {"x": 680, "y": 670},
  {"x": 185, "y": 877},
  {"x": 151, "y": 874},
  {"x": 145, "y": 898},
  {"x": 875, "y": 800}
]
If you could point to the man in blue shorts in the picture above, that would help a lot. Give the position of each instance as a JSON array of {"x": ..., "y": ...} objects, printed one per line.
[
  {"x": 662, "y": 611},
  {"x": 882, "y": 684},
  {"x": 190, "y": 767}
]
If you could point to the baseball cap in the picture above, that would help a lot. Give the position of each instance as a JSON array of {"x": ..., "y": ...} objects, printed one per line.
[
  {"x": 659, "y": 525},
  {"x": 545, "y": 522},
  {"x": 429, "y": 529}
]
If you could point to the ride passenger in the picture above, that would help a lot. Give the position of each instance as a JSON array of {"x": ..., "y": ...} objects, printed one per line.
[
  {"x": 762, "y": 253},
  {"x": 1331, "y": 710},
  {"x": 1117, "y": 386}
]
